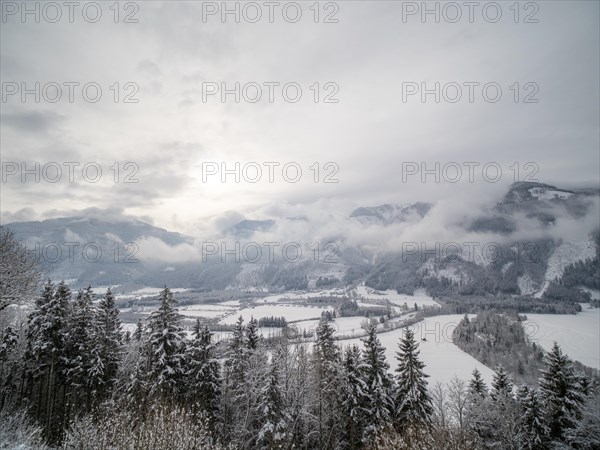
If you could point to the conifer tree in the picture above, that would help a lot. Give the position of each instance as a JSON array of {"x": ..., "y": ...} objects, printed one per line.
[
  {"x": 203, "y": 375},
  {"x": 534, "y": 431},
  {"x": 166, "y": 347},
  {"x": 476, "y": 385},
  {"x": 412, "y": 400},
  {"x": 502, "y": 386},
  {"x": 561, "y": 394},
  {"x": 327, "y": 372},
  {"x": 139, "y": 331},
  {"x": 80, "y": 351},
  {"x": 503, "y": 413},
  {"x": 234, "y": 378},
  {"x": 108, "y": 329},
  {"x": 252, "y": 335},
  {"x": 48, "y": 331},
  {"x": 273, "y": 431},
  {"x": 355, "y": 398},
  {"x": 379, "y": 385}
]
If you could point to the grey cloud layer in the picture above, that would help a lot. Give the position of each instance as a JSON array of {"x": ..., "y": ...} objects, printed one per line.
[{"x": 369, "y": 133}]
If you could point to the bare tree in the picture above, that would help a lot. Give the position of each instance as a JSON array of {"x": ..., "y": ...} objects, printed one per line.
[
  {"x": 439, "y": 400},
  {"x": 19, "y": 272},
  {"x": 457, "y": 400}
]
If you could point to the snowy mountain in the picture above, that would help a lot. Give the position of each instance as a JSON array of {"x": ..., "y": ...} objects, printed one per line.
[
  {"x": 246, "y": 228},
  {"x": 129, "y": 251},
  {"x": 90, "y": 250},
  {"x": 387, "y": 214}
]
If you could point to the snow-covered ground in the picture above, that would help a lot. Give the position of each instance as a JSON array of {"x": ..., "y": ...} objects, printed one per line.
[
  {"x": 344, "y": 326},
  {"x": 139, "y": 293},
  {"x": 442, "y": 358},
  {"x": 594, "y": 293},
  {"x": 565, "y": 254},
  {"x": 300, "y": 295},
  {"x": 542, "y": 193},
  {"x": 208, "y": 313},
  {"x": 290, "y": 312},
  {"x": 420, "y": 297},
  {"x": 578, "y": 335}
]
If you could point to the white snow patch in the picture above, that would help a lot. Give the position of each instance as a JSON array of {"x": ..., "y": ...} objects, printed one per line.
[
  {"x": 443, "y": 360},
  {"x": 290, "y": 312},
  {"x": 505, "y": 267},
  {"x": 526, "y": 284},
  {"x": 419, "y": 297},
  {"x": 548, "y": 194},
  {"x": 577, "y": 334},
  {"x": 565, "y": 254},
  {"x": 594, "y": 293}
]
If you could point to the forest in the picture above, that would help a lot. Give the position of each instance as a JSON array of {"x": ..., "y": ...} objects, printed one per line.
[{"x": 70, "y": 378}]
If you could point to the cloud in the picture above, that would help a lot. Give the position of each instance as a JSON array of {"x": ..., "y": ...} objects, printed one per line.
[
  {"x": 369, "y": 133},
  {"x": 110, "y": 215},
  {"x": 22, "y": 215},
  {"x": 36, "y": 122},
  {"x": 152, "y": 249}
]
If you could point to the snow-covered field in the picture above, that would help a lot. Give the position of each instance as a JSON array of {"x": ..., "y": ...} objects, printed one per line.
[
  {"x": 442, "y": 358},
  {"x": 148, "y": 291},
  {"x": 290, "y": 312},
  {"x": 420, "y": 297},
  {"x": 195, "y": 311},
  {"x": 594, "y": 293},
  {"x": 364, "y": 294},
  {"x": 344, "y": 326},
  {"x": 295, "y": 296},
  {"x": 578, "y": 335}
]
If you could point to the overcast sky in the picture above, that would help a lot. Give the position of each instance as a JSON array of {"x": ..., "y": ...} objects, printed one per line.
[{"x": 369, "y": 135}]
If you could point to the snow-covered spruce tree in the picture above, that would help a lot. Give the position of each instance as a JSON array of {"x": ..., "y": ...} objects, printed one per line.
[
  {"x": 464, "y": 331},
  {"x": 166, "y": 348},
  {"x": 412, "y": 401},
  {"x": 502, "y": 385},
  {"x": 203, "y": 376},
  {"x": 252, "y": 335},
  {"x": 48, "y": 330},
  {"x": 502, "y": 424},
  {"x": 561, "y": 394},
  {"x": 327, "y": 376},
  {"x": 236, "y": 354},
  {"x": 534, "y": 431},
  {"x": 234, "y": 377},
  {"x": 197, "y": 330},
  {"x": 81, "y": 353},
  {"x": 8, "y": 343},
  {"x": 133, "y": 374},
  {"x": 476, "y": 385},
  {"x": 379, "y": 386},
  {"x": 273, "y": 432},
  {"x": 139, "y": 331},
  {"x": 354, "y": 399},
  {"x": 478, "y": 411},
  {"x": 257, "y": 376},
  {"x": 586, "y": 435},
  {"x": 109, "y": 343}
]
